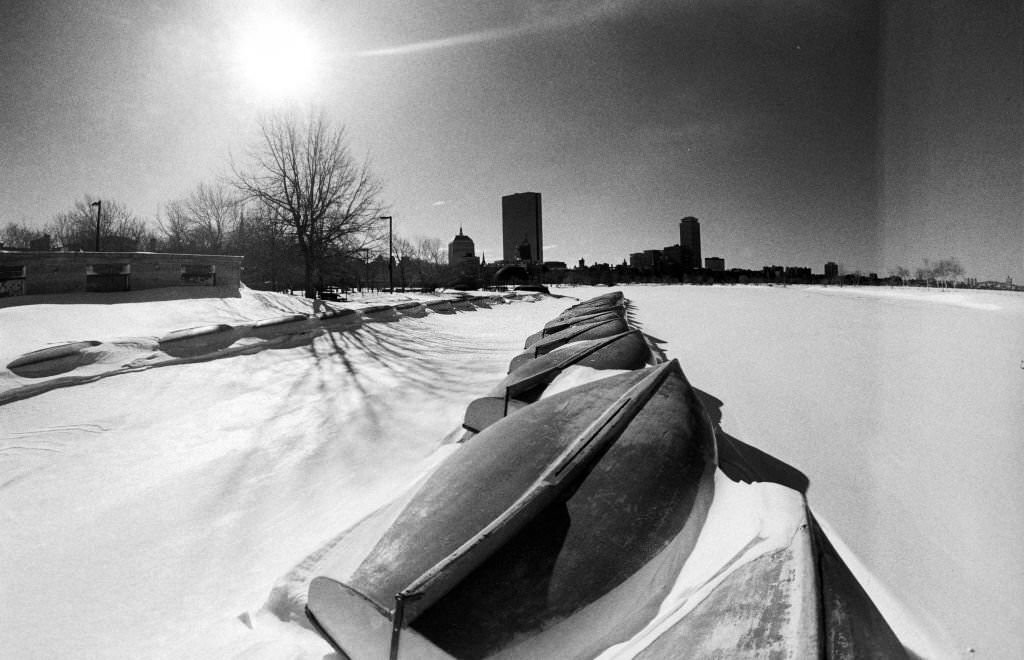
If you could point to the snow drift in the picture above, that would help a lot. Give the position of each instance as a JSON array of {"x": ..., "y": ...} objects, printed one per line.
[{"x": 168, "y": 512}]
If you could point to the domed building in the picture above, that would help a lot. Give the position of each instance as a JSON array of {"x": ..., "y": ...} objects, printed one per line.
[{"x": 461, "y": 250}]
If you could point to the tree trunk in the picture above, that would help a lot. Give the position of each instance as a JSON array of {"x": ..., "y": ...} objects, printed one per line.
[{"x": 309, "y": 273}]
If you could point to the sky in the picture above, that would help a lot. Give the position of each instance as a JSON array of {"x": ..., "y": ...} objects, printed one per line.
[{"x": 797, "y": 132}]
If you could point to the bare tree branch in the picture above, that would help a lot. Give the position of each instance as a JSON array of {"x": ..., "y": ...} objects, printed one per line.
[
  {"x": 305, "y": 172},
  {"x": 120, "y": 229}
]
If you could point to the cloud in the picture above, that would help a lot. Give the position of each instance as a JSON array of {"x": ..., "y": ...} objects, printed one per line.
[
  {"x": 541, "y": 16},
  {"x": 439, "y": 202},
  {"x": 447, "y": 42}
]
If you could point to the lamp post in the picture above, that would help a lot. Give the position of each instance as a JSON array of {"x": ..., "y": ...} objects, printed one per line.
[
  {"x": 99, "y": 209},
  {"x": 391, "y": 258},
  {"x": 366, "y": 270}
]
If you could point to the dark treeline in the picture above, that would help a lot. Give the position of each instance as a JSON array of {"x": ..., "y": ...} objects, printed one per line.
[{"x": 213, "y": 220}]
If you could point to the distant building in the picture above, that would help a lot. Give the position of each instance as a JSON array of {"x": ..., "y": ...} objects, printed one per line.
[
  {"x": 461, "y": 249},
  {"x": 522, "y": 225},
  {"x": 651, "y": 258},
  {"x": 831, "y": 270},
  {"x": 798, "y": 274},
  {"x": 672, "y": 255},
  {"x": 636, "y": 259},
  {"x": 715, "y": 263},
  {"x": 689, "y": 242}
]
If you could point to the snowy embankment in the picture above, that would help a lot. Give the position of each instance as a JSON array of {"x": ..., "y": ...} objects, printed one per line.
[{"x": 176, "y": 512}]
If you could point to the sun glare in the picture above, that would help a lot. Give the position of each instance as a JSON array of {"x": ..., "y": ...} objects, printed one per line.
[{"x": 276, "y": 58}]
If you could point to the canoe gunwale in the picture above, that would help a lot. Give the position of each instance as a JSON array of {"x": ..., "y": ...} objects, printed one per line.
[
  {"x": 550, "y": 342},
  {"x": 529, "y": 382},
  {"x": 575, "y": 461},
  {"x": 480, "y": 412}
]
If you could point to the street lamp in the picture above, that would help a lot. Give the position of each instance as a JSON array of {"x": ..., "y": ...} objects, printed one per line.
[
  {"x": 99, "y": 208},
  {"x": 366, "y": 269},
  {"x": 391, "y": 259}
]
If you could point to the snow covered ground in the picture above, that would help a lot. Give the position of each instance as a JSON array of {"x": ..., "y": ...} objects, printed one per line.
[
  {"x": 162, "y": 511},
  {"x": 904, "y": 408}
]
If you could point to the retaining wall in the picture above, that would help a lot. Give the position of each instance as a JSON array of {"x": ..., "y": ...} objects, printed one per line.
[{"x": 30, "y": 273}]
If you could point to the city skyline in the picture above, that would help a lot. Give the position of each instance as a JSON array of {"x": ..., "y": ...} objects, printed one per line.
[{"x": 871, "y": 135}]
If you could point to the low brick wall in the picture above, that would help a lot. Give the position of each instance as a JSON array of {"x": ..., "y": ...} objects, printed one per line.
[{"x": 31, "y": 273}]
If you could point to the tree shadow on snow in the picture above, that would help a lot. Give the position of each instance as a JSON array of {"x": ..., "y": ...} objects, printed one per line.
[{"x": 423, "y": 358}]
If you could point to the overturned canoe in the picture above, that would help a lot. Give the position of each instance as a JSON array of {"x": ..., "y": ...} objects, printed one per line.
[
  {"x": 606, "y": 302},
  {"x": 53, "y": 360},
  {"x": 627, "y": 350},
  {"x": 514, "y": 531},
  {"x": 853, "y": 626},
  {"x": 558, "y": 325},
  {"x": 590, "y": 310},
  {"x": 612, "y": 297},
  {"x": 763, "y": 582},
  {"x": 594, "y": 330},
  {"x": 561, "y": 323}
]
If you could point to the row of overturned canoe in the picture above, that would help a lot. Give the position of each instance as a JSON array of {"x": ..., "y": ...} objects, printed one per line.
[
  {"x": 204, "y": 339},
  {"x": 579, "y": 516}
]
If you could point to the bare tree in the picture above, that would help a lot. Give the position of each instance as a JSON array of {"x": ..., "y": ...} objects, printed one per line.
[
  {"x": 215, "y": 212},
  {"x": 17, "y": 235},
  {"x": 201, "y": 222},
  {"x": 945, "y": 271},
  {"x": 271, "y": 257},
  {"x": 304, "y": 170},
  {"x": 119, "y": 228},
  {"x": 430, "y": 250},
  {"x": 404, "y": 252},
  {"x": 176, "y": 228},
  {"x": 923, "y": 273},
  {"x": 431, "y": 261},
  {"x": 949, "y": 271}
]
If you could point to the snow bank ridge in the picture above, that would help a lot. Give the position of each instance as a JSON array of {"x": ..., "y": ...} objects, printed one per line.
[{"x": 79, "y": 362}]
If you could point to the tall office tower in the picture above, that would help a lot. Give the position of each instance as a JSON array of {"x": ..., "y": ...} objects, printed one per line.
[
  {"x": 689, "y": 242},
  {"x": 521, "y": 224}
]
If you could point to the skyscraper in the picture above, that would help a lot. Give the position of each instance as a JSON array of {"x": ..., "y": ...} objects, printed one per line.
[
  {"x": 689, "y": 242},
  {"x": 521, "y": 225}
]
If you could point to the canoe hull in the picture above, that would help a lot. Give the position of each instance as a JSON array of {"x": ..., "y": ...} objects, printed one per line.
[
  {"x": 595, "y": 330},
  {"x": 578, "y": 551},
  {"x": 569, "y": 551},
  {"x": 626, "y": 351}
]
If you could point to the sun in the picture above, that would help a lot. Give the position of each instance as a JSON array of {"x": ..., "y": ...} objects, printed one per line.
[{"x": 276, "y": 57}]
